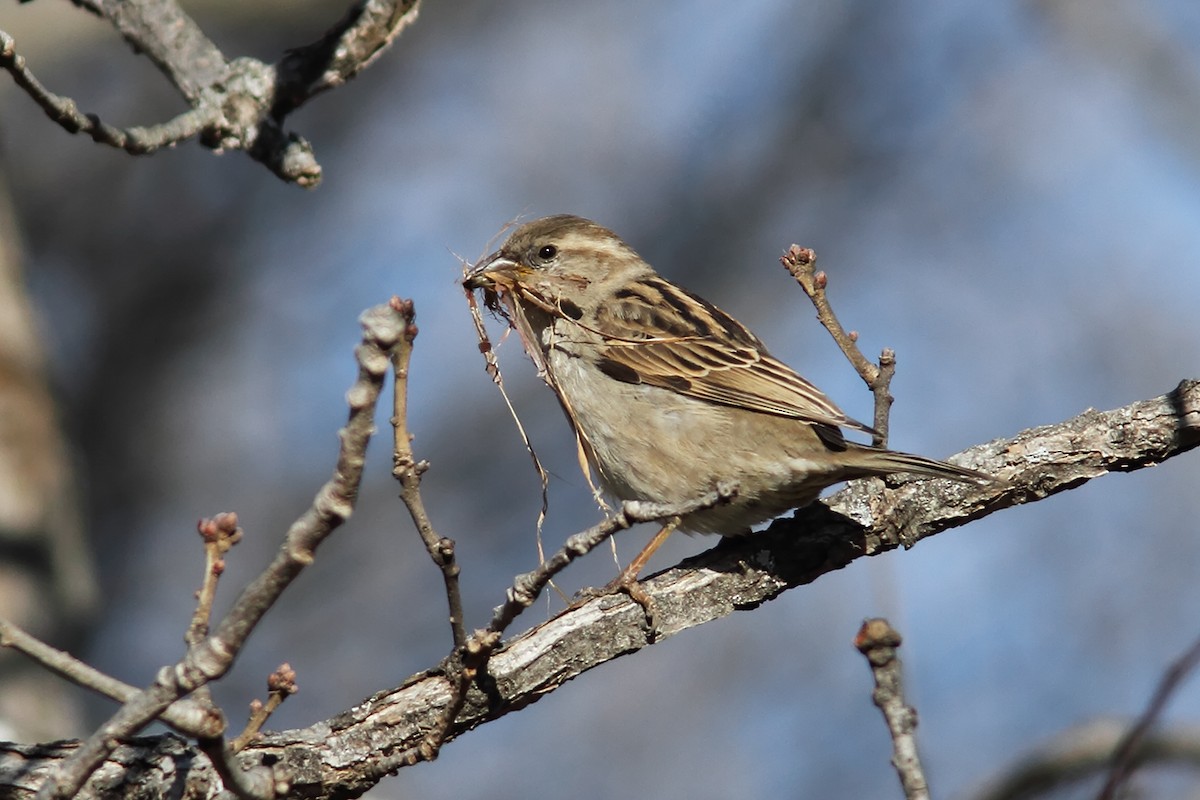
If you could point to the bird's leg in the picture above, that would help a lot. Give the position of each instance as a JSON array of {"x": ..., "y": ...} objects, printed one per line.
[
  {"x": 629, "y": 575},
  {"x": 627, "y": 581}
]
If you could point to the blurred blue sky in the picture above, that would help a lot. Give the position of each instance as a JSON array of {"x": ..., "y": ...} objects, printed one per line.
[{"x": 1007, "y": 193}]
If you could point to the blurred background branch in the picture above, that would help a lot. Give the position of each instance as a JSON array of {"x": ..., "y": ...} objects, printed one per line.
[{"x": 236, "y": 104}]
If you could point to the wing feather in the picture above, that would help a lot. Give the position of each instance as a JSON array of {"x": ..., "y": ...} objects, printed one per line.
[{"x": 664, "y": 336}]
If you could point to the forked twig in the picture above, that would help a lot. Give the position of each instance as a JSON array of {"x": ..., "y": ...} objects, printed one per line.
[{"x": 801, "y": 262}]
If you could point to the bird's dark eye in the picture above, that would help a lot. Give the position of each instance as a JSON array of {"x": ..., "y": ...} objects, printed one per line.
[{"x": 547, "y": 252}]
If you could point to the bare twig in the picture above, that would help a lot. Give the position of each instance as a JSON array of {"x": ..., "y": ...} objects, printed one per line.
[
  {"x": 1127, "y": 754},
  {"x": 526, "y": 588},
  {"x": 878, "y": 641},
  {"x": 882, "y": 390},
  {"x": 408, "y": 471},
  {"x": 801, "y": 262},
  {"x": 345, "y": 50},
  {"x": 186, "y": 715},
  {"x": 281, "y": 685},
  {"x": 219, "y": 533},
  {"x": 212, "y": 657}
]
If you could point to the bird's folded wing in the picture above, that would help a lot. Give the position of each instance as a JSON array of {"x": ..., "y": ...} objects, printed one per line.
[{"x": 732, "y": 375}]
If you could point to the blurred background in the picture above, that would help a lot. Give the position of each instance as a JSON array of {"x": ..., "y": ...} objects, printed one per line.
[{"x": 1006, "y": 193}]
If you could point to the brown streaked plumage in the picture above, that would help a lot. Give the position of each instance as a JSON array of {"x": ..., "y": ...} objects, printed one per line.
[{"x": 668, "y": 394}]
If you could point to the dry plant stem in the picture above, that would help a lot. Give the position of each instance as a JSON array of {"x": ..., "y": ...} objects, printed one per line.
[
  {"x": 1127, "y": 754},
  {"x": 212, "y": 657},
  {"x": 187, "y": 715},
  {"x": 237, "y": 103},
  {"x": 492, "y": 367},
  {"x": 341, "y": 756},
  {"x": 801, "y": 262},
  {"x": 408, "y": 471},
  {"x": 878, "y": 641}
]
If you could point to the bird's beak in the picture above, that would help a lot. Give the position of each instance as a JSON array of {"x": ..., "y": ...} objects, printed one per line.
[{"x": 492, "y": 269}]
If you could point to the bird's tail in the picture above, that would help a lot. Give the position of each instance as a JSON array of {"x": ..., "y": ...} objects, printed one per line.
[{"x": 866, "y": 461}]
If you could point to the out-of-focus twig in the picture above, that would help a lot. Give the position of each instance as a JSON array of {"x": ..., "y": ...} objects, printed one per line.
[
  {"x": 64, "y": 111},
  {"x": 209, "y": 659},
  {"x": 878, "y": 641},
  {"x": 219, "y": 533},
  {"x": 186, "y": 715},
  {"x": 1126, "y": 755},
  {"x": 1083, "y": 753}
]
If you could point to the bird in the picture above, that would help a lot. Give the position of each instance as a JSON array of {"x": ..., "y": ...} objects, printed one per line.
[{"x": 668, "y": 395}]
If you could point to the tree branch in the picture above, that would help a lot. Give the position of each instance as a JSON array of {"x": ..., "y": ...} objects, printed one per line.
[
  {"x": 235, "y": 104},
  {"x": 341, "y": 757}
]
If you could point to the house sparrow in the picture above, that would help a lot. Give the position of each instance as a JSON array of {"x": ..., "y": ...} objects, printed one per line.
[{"x": 668, "y": 394}]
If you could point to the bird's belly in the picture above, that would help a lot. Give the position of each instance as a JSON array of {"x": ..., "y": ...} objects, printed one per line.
[{"x": 654, "y": 444}]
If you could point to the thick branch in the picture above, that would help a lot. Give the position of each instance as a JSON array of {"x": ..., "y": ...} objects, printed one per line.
[{"x": 341, "y": 757}]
